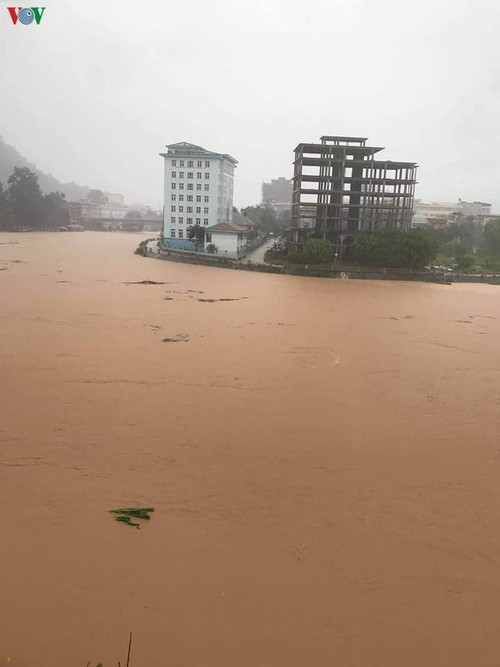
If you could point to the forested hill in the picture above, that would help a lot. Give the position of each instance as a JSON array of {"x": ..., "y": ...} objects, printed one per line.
[{"x": 10, "y": 158}]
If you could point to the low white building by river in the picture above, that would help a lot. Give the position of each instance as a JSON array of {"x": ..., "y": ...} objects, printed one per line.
[{"x": 226, "y": 239}]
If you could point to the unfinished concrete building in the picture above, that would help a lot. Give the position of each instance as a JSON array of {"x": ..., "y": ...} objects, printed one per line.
[{"x": 340, "y": 189}]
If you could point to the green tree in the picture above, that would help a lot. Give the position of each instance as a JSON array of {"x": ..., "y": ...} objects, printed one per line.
[
  {"x": 4, "y": 209},
  {"x": 55, "y": 211},
  {"x": 97, "y": 197},
  {"x": 395, "y": 248},
  {"x": 491, "y": 237},
  {"x": 464, "y": 262},
  {"x": 25, "y": 198},
  {"x": 133, "y": 213},
  {"x": 196, "y": 233},
  {"x": 264, "y": 219},
  {"x": 318, "y": 251}
]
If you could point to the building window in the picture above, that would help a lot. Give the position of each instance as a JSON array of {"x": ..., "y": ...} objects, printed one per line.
[
  {"x": 174, "y": 174},
  {"x": 181, "y": 209},
  {"x": 181, "y": 163},
  {"x": 198, "y": 197},
  {"x": 172, "y": 220},
  {"x": 190, "y": 163},
  {"x": 198, "y": 186},
  {"x": 181, "y": 174},
  {"x": 198, "y": 175},
  {"x": 181, "y": 234},
  {"x": 190, "y": 197},
  {"x": 199, "y": 163},
  {"x": 172, "y": 233},
  {"x": 207, "y": 174},
  {"x": 205, "y": 221},
  {"x": 190, "y": 186},
  {"x": 198, "y": 220},
  {"x": 181, "y": 197},
  {"x": 189, "y": 209},
  {"x": 181, "y": 186},
  {"x": 208, "y": 237},
  {"x": 207, "y": 163},
  {"x": 190, "y": 174},
  {"x": 172, "y": 208},
  {"x": 198, "y": 209},
  {"x": 206, "y": 198},
  {"x": 189, "y": 221},
  {"x": 205, "y": 209},
  {"x": 174, "y": 163},
  {"x": 181, "y": 221},
  {"x": 207, "y": 187},
  {"x": 173, "y": 186}
]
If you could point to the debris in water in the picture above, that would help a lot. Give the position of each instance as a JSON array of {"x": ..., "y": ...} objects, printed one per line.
[
  {"x": 126, "y": 514},
  {"x": 144, "y": 282},
  {"x": 178, "y": 338},
  {"x": 215, "y": 300}
]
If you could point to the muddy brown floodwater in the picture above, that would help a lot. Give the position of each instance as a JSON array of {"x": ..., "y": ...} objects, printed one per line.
[{"x": 323, "y": 458}]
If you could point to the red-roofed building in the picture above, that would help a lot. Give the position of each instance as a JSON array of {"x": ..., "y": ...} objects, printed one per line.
[{"x": 229, "y": 239}]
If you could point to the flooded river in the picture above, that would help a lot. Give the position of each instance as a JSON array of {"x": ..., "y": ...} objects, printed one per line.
[{"x": 323, "y": 458}]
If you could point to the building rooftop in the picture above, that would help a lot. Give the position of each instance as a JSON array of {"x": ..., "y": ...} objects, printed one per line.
[
  {"x": 226, "y": 227},
  {"x": 184, "y": 148},
  {"x": 357, "y": 140}
]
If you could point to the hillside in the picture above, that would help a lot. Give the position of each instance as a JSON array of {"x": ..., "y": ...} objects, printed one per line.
[{"x": 10, "y": 158}]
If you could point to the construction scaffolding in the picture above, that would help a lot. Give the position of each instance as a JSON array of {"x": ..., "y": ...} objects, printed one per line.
[{"x": 340, "y": 189}]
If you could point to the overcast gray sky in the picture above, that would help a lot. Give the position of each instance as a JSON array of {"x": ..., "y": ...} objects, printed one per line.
[{"x": 95, "y": 91}]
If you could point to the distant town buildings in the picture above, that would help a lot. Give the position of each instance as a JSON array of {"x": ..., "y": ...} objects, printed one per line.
[
  {"x": 115, "y": 198},
  {"x": 439, "y": 214},
  {"x": 433, "y": 214},
  {"x": 340, "y": 189},
  {"x": 198, "y": 191},
  {"x": 112, "y": 213},
  {"x": 83, "y": 210},
  {"x": 475, "y": 208}
]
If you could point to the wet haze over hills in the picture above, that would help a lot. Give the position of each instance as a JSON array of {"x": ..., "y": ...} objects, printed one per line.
[{"x": 95, "y": 91}]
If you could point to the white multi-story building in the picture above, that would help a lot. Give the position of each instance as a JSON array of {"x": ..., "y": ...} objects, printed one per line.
[{"x": 198, "y": 190}]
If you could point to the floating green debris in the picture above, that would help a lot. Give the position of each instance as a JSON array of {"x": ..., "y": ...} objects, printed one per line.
[
  {"x": 125, "y": 514},
  {"x": 127, "y": 520}
]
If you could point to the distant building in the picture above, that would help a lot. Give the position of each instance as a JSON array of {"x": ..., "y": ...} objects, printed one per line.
[
  {"x": 198, "y": 190},
  {"x": 115, "y": 198},
  {"x": 277, "y": 195},
  {"x": 433, "y": 214},
  {"x": 439, "y": 214},
  {"x": 84, "y": 211},
  {"x": 475, "y": 208},
  {"x": 340, "y": 189},
  {"x": 277, "y": 190}
]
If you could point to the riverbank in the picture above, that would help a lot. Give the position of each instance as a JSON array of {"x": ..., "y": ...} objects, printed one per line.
[{"x": 345, "y": 273}]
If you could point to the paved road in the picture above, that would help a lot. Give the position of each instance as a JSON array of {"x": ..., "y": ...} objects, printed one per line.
[{"x": 256, "y": 255}]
